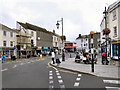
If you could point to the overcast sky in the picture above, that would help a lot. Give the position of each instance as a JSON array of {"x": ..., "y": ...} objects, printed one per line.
[{"x": 79, "y": 16}]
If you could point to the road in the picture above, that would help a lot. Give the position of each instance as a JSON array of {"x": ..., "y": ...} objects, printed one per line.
[{"x": 37, "y": 73}]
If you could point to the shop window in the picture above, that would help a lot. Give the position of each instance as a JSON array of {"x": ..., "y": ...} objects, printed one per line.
[{"x": 115, "y": 50}]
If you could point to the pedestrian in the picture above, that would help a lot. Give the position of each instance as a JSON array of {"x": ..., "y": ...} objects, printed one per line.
[
  {"x": 3, "y": 58},
  {"x": 53, "y": 56},
  {"x": 63, "y": 56},
  {"x": 103, "y": 57}
]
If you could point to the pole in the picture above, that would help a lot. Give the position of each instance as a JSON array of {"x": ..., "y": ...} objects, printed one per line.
[
  {"x": 105, "y": 12},
  {"x": 92, "y": 51}
]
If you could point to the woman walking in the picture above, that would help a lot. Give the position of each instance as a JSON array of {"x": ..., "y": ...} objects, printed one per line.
[{"x": 53, "y": 56}]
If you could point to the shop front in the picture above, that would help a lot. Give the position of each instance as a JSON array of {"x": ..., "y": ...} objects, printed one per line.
[{"x": 115, "y": 50}]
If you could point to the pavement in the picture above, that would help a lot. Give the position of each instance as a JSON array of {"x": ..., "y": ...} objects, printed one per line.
[{"x": 107, "y": 71}]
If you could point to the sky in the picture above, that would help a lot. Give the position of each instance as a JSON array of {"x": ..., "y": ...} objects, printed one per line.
[{"x": 79, "y": 16}]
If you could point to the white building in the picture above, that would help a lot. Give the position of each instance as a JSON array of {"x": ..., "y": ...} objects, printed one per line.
[
  {"x": 114, "y": 26},
  {"x": 82, "y": 42},
  {"x": 7, "y": 40}
]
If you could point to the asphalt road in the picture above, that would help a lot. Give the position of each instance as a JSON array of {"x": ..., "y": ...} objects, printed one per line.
[{"x": 37, "y": 73}]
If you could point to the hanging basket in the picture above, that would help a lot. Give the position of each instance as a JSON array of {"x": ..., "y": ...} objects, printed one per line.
[{"x": 106, "y": 31}]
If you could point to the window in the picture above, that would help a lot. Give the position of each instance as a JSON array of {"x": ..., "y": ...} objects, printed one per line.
[
  {"x": 81, "y": 40},
  {"x": 4, "y": 43},
  {"x": 55, "y": 44},
  {"x": 11, "y": 43},
  {"x": 4, "y": 33},
  {"x": 11, "y": 34},
  {"x": 32, "y": 33},
  {"x": 115, "y": 31},
  {"x": 115, "y": 50},
  {"x": 86, "y": 39},
  {"x": 114, "y": 15}
]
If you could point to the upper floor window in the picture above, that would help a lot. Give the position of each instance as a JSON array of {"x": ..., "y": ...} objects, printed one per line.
[
  {"x": 4, "y": 33},
  {"x": 32, "y": 33},
  {"x": 81, "y": 40},
  {"x": 4, "y": 43},
  {"x": 115, "y": 31},
  {"x": 11, "y": 43},
  {"x": 11, "y": 34},
  {"x": 114, "y": 15}
]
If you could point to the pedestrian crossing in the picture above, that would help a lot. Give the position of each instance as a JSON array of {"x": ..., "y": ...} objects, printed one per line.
[{"x": 112, "y": 84}]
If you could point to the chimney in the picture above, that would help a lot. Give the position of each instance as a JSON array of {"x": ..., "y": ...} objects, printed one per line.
[
  {"x": 79, "y": 35},
  {"x": 53, "y": 31}
]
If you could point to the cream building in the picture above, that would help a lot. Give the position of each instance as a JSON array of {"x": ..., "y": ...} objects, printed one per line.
[{"x": 7, "y": 40}]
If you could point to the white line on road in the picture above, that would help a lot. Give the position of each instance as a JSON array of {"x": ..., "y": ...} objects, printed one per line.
[
  {"x": 113, "y": 88},
  {"x": 50, "y": 74},
  {"x": 51, "y": 82},
  {"x": 58, "y": 73},
  {"x": 79, "y": 75},
  {"x": 59, "y": 77},
  {"x": 76, "y": 84},
  {"x": 22, "y": 63},
  {"x": 50, "y": 71},
  {"x": 62, "y": 86},
  {"x": 60, "y": 81},
  {"x": 112, "y": 81},
  {"x": 4, "y": 69},
  {"x": 50, "y": 77},
  {"x": 14, "y": 66},
  {"x": 78, "y": 79}
]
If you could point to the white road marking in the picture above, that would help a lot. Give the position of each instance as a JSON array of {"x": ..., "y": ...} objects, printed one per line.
[
  {"x": 60, "y": 81},
  {"x": 79, "y": 75},
  {"x": 51, "y": 82},
  {"x": 28, "y": 62},
  {"x": 4, "y": 69},
  {"x": 50, "y": 77},
  {"x": 22, "y": 63},
  {"x": 76, "y": 84},
  {"x": 51, "y": 86},
  {"x": 112, "y": 81},
  {"x": 62, "y": 86},
  {"x": 50, "y": 71},
  {"x": 78, "y": 79},
  {"x": 58, "y": 73},
  {"x": 59, "y": 77},
  {"x": 14, "y": 66},
  {"x": 50, "y": 74},
  {"x": 113, "y": 88}
]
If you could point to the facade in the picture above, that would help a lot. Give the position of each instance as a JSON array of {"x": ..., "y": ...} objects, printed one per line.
[
  {"x": 114, "y": 26},
  {"x": 42, "y": 41},
  {"x": 70, "y": 46},
  {"x": 83, "y": 42},
  {"x": 7, "y": 41}
]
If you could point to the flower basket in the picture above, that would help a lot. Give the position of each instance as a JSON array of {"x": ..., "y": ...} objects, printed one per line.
[{"x": 106, "y": 31}]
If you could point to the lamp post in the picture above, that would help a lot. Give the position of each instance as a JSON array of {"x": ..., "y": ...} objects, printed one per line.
[
  {"x": 105, "y": 17},
  {"x": 62, "y": 28},
  {"x": 92, "y": 50}
]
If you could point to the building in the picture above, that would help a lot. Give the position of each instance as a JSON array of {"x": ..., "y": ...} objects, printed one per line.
[
  {"x": 83, "y": 42},
  {"x": 41, "y": 39},
  {"x": 114, "y": 26},
  {"x": 7, "y": 41},
  {"x": 70, "y": 46}
]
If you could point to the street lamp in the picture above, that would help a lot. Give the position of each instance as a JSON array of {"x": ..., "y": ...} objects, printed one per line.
[
  {"x": 92, "y": 50},
  {"x": 62, "y": 28},
  {"x": 105, "y": 17}
]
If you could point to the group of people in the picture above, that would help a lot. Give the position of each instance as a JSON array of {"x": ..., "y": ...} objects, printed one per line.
[{"x": 54, "y": 55}]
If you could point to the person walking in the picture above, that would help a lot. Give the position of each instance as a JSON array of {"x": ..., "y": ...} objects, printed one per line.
[
  {"x": 63, "y": 56},
  {"x": 3, "y": 58},
  {"x": 103, "y": 57},
  {"x": 53, "y": 56}
]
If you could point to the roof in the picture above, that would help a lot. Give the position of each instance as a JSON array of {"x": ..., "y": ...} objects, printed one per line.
[
  {"x": 35, "y": 28},
  {"x": 7, "y": 28},
  {"x": 114, "y": 5}
]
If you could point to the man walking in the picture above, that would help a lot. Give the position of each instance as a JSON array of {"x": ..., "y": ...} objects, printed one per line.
[{"x": 53, "y": 56}]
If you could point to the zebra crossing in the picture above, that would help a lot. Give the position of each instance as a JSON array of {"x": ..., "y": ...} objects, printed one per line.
[{"x": 112, "y": 84}]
